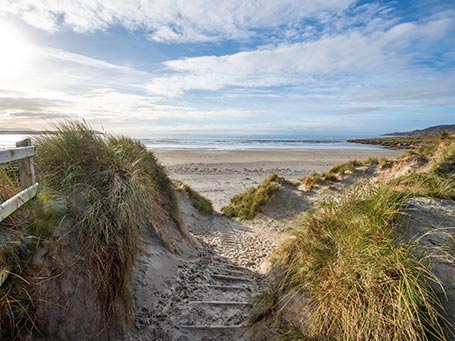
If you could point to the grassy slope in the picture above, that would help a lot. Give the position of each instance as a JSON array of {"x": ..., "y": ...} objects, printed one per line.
[
  {"x": 334, "y": 173},
  {"x": 439, "y": 180},
  {"x": 202, "y": 204},
  {"x": 424, "y": 143},
  {"x": 112, "y": 187},
  {"x": 361, "y": 284},
  {"x": 344, "y": 258},
  {"x": 247, "y": 205}
]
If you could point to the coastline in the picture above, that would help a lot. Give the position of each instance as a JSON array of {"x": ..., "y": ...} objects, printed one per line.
[{"x": 219, "y": 175}]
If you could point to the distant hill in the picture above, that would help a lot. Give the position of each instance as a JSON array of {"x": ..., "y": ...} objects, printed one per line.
[{"x": 450, "y": 128}]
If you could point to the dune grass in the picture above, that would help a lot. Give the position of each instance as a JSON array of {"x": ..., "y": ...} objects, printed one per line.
[
  {"x": 445, "y": 163},
  {"x": 109, "y": 184},
  {"x": 201, "y": 203},
  {"x": 438, "y": 181},
  {"x": 428, "y": 184},
  {"x": 361, "y": 284},
  {"x": 247, "y": 205},
  {"x": 334, "y": 173}
]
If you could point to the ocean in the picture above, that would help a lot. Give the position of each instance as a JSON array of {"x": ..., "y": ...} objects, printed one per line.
[{"x": 233, "y": 143}]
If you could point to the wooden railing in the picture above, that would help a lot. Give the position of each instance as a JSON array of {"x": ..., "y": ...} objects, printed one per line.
[{"x": 23, "y": 153}]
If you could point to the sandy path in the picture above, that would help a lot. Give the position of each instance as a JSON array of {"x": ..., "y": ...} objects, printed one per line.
[
  {"x": 221, "y": 174},
  {"x": 211, "y": 296}
]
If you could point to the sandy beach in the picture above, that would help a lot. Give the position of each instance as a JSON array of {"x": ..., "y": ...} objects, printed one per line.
[{"x": 221, "y": 174}]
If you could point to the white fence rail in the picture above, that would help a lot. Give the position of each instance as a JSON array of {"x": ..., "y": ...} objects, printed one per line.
[{"x": 23, "y": 153}]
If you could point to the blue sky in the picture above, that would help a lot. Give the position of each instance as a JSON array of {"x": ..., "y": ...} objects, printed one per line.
[{"x": 144, "y": 67}]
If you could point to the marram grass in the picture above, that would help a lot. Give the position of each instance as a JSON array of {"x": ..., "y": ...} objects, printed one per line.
[
  {"x": 110, "y": 184},
  {"x": 247, "y": 205},
  {"x": 360, "y": 283},
  {"x": 201, "y": 203}
]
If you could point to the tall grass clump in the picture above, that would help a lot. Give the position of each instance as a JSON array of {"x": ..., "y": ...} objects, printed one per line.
[
  {"x": 151, "y": 173},
  {"x": 247, "y": 205},
  {"x": 361, "y": 284},
  {"x": 107, "y": 183},
  {"x": 202, "y": 204}
]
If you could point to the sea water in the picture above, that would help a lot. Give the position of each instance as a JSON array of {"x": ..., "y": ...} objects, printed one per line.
[{"x": 232, "y": 143}]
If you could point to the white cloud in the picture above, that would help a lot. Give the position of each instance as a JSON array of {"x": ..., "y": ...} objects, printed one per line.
[
  {"x": 349, "y": 54},
  {"x": 171, "y": 20}
]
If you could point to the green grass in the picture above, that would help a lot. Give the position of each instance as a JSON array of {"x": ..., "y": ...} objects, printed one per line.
[
  {"x": 111, "y": 185},
  {"x": 342, "y": 168},
  {"x": 311, "y": 181},
  {"x": 422, "y": 144},
  {"x": 350, "y": 166},
  {"x": 202, "y": 204},
  {"x": 428, "y": 184},
  {"x": 361, "y": 284},
  {"x": 333, "y": 174},
  {"x": 445, "y": 163},
  {"x": 247, "y": 205}
]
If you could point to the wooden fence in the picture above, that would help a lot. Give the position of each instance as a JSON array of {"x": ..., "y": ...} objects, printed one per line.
[{"x": 23, "y": 154}]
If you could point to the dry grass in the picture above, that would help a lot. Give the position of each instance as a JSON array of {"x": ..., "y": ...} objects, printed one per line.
[
  {"x": 250, "y": 203},
  {"x": 361, "y": 284},
  {"x": 202, "y": 204},
  {"x": 17, "y": 308}
]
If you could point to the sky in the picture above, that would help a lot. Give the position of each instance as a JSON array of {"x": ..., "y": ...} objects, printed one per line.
[{"x": 290, "y": 67}]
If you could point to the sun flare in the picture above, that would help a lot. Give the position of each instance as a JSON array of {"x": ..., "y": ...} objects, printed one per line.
[{"x": 16, "y": 53}]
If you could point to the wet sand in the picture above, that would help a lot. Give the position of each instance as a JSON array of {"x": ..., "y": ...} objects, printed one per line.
[{"x": 221, "y": 174}]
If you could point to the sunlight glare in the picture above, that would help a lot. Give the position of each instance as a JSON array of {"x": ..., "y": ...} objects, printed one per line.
[{"x": 16, "y": 54}]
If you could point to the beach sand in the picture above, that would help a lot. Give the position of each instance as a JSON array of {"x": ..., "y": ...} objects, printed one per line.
[{"x": 221, "y": 174}]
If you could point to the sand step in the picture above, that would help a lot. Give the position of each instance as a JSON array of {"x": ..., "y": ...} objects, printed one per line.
[
  {"x": 218, "y": 271},
  {"x": 231, "y": 303},
  {"x": 230, "y": 278},
  {"x": 229, "y": 265},
  {"x": 225, "y": 287},
  {"x": 210, "y": 326}
]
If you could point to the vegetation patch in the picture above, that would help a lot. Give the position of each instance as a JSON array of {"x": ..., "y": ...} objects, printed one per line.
[
  {"x": 360, "y": 284},
  {"x": 333, "y": 174},
  {"x": 428, "y": 184},
  {"x": 247, "y": 205},
  {"x": 438, "y": 181},
  {"x": 202, "y": 204},
  {"x": 424, "y": 144}
]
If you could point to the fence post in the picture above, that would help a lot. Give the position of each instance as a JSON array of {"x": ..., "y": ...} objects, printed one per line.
[{"x": 26, "y": 166}]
